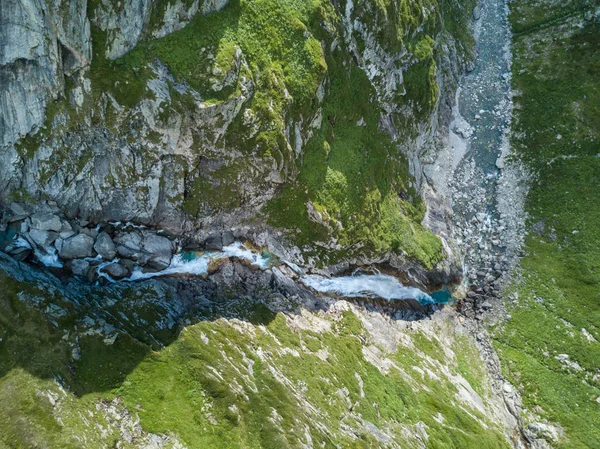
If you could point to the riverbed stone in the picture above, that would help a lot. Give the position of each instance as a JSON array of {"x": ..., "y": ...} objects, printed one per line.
[
  {"x": 42, "y": 238},
  {"x": 46, "y": 222},
  {"x": 160, "y": 251},
  {"x": 115, "y": 270},
  {"x": 93, "y": 233},
  {"x": 105, "y": 246},
  {"x": 79, "y": 267},
  {"x": 214, "y": 242},
  {"x": 77, "y": 247},
  {"x": 131, "y": 240}
]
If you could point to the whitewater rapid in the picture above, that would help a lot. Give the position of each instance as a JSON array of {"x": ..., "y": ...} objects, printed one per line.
[{"x": 197, "y": 263}]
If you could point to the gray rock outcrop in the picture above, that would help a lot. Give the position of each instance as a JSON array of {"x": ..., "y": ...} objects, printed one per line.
[
  {"x": 77, "y": 247},
  {"x": 160, "y": 249},
  {"x": 105, "y": 246},
  {"x": 115, "y": 270}
]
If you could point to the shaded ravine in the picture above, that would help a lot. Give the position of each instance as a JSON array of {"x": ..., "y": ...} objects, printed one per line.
[{"x": 357, "y": 285}]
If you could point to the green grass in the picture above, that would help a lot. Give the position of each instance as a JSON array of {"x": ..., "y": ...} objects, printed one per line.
[
  {"x": 221, "y": 382},
  {"x": 556, "y": 69}
]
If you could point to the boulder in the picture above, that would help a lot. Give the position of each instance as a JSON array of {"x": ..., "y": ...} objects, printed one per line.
[
  {"x": 77, "y": 247},
  {"x": 46, "y": 222},
  {"x": 18, "y": 212},
  {"x": 227, "y": 238},
  {"x": 127, "y": 263},
  {"x": 160, "y": 251},
  {"x": 129, "y": 245},
  {"x": 132, "y": 240},
  {"x": 19, "y": 249},
  {"x": 105, "y": 246},
  {"x": 79, "y": 267},
  {"x": 66, "y": 234},
  {"x": 214, "y": 242},
  {"x": 93, "y": 233},
  {"x": 43, "y": 238},
  {"x": 115, "y": 270}
]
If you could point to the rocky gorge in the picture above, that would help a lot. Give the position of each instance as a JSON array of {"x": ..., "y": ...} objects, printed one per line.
[{"x": 276, "y": 224}]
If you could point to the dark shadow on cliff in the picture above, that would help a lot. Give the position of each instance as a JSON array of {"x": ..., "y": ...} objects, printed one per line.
[{"x": 90, "y": 338}]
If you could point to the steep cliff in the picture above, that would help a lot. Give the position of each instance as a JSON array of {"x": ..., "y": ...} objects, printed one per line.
[{"x": 310, "y": 117}]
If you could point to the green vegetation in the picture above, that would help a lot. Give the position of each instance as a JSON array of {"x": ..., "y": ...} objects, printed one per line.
[
  {"x": 556, "y": 307},
  {"x": 350, "y": 172},
  {"x": 257, "y": 381},
  {"x": 289, "y": 70}
]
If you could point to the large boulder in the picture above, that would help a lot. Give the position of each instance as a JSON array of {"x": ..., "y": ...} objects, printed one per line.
[
  {"x": 218, "y": 240},
  {"x": 160, "y": 250},
  {"x": 115, "y": 270},
  {"x": 77, "y": 247},
  {"x": 42, "y": 238},
  {"x": 44, "y": 221},
  {"x": 129, "y": 246},
  {"x": 79, "y": 267},
  {"x": 105, "y": 246}
]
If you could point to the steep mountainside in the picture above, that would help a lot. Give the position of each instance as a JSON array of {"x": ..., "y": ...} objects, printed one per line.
[
  {"x": 299, "y": 224},
  {"x": 550, "y": 348},
  {"x": 118, "y": 369},
  {"x": 308, "y": 116}
]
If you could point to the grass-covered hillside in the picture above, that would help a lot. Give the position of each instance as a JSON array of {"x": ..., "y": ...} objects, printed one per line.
[
  {"x": 134, "y": 366},
  {"x": 551, "y": 346}
]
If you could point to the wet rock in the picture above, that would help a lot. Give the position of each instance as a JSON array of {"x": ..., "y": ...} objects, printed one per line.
[
  {"x": 77, "y": 247},
  {"x": 115, "y": 270},
  {"x": 19, "y": 249},
  {"x": 46, "y": 222},
  {"x": 93, "y": 233},
  {"x": 130, "y": 246},
  {"x": 227, "y": 238},
  {"x": 477, "y": 12},
  {"x": 128, "y": 263},
  {"x": 92, "y": 274},
  {"x": 131, "y": 240},
  {"x": 105, "y": 246},
  {"x": 160, "y": 250},
  {"x": 78, "y": 267},
  {"x": 214, "y": 242},
  {"x": 43, "y": 238}
]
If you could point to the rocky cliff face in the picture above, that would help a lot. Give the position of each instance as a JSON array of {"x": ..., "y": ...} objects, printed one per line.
[
  {"x": 133, "y": 131},
  {"x": 311, "y": 119}
]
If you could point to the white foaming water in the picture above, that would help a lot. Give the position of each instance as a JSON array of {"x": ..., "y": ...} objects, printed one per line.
[
  {"x": 49, "y": 258},
  {"x": 366, "y": 286},
  {"x": 239, "y": 250},
  {"x": 199, "y": 265},
  {"x": 179, "y": 265}
]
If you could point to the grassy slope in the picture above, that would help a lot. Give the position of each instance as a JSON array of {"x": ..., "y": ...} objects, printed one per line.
[
  {"x": 556, "y": 69},
  {"x": 264, "y": 382}
]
